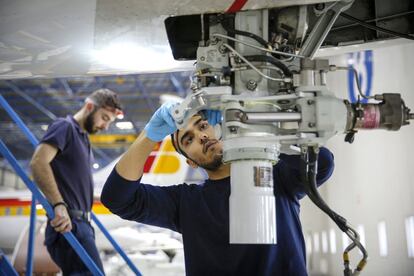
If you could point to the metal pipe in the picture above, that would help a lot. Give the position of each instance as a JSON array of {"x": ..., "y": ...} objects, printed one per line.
[
  {"x": 32, "y": 101},
  {"x": 376, "y": 20},
  {"x": 32, "y": 229},
  {"x": 5, "y": 266},
  {"x": 33, "y": 140},
  {"x": 115, "y": 245},
  {"x": 307, "y": 78},
  {"x": 253, "y": 117},
  {"x": 322, "y": 28}
]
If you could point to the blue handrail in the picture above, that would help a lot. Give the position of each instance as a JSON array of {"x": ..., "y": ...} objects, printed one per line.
[
  {"x": 49, "y": 210},
  {"x": 115, "y": 244},
  {"x": 6, "y": 269},
  {"x": 29, "y": 261},
  {"x": 35, "y": 142}
]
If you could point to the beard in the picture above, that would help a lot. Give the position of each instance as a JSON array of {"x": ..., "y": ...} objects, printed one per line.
[
  {"x": 213, "y": 165},
  {"x": 89, "y": 123}
]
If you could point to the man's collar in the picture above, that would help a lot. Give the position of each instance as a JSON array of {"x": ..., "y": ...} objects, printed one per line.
[{"x": 76, "y": 124}]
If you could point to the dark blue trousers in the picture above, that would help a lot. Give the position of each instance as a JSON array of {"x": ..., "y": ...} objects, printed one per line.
[{"x": 64, "y": 255}]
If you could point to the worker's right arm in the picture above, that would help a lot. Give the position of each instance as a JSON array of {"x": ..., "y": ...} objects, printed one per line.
[
  {"x": 123, "y": 192},
  {"x": 125, "y": 195},
  {"x": 43, "y": 175},
  {"x": 161, "y": 124}
]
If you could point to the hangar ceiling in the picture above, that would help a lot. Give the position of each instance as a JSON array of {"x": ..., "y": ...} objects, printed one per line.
[{"x": 39, "y": 101}]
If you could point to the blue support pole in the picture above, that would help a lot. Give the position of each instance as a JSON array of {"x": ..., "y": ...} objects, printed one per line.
[
  {"x": 32, "y": 229},
  {"x": 6, "y": 269},
  {"x": 36, "y": 193},
  {"x": 115, "y": 245}
]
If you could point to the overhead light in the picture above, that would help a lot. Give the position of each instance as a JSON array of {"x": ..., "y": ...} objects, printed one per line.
[
  {"x": 124, "y": 125},
  {"x": 129, "y": 56},
  {"x": 409, "y": 231},
  {"x": 361, "y": 232},
  {"x": 95, "y": 166},
  {"x": 332, "y": 241},
  {"x": 345, "y": 241},
  {"x": 382, "y": 239},
  {"x": 309, "y": 244},
  {"x": 316, "y": 242},
  {"x": 120, "y": 116},
  {"x": 324, "y": 237}
]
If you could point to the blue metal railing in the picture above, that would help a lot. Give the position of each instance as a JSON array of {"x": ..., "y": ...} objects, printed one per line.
[
  {"x": 49, "y": 210},
  {"x": 37, "y": 195},
  {"x": 30, "y": 249},
  {"x": 115, "y": 245},
  {"x": 6, "y": 269}
]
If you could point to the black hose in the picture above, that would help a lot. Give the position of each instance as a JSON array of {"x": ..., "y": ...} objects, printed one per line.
[
  {"x": 376, "y": 28},
  {"x": 272, "y": 60},
  {"x": 308, "y": 174},
  {"x": 251, "y": 35}
]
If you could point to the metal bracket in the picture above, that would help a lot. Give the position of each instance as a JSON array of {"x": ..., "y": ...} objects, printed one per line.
[
  {"x": 322, "y": 27},
  {"x": 205, "y": 98}
]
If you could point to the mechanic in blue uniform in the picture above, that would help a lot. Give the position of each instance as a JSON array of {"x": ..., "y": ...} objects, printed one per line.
[
  {"x": 201, "y": 212},
  {"x": 62, "y": 168}
]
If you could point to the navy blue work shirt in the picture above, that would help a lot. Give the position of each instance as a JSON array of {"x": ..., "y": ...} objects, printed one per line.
[
  {"x": 201, "y": 214},
  {"x": 72, "y": 164}
]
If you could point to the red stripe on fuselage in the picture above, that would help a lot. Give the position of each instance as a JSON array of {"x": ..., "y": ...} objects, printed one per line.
[
  {"x": 14, "y": 202},
  {"x": 236, "y": 6}
]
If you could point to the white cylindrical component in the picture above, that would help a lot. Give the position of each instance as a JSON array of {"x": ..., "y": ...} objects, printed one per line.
[{"x": 252, "y": 203}]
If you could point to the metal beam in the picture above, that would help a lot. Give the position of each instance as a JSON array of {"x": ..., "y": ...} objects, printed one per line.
[
  {"x": 66, "y": 86},
  {"x": 144, "y": 92},
  {"x": 32, "y": 101},
  {"x": 177, "y": 84},
  {"x": 86, "y": 85}
]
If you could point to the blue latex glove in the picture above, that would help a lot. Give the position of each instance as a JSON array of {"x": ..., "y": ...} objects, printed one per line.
[
  {"x": 161, "y": 123},
  {"x": 213, "y": 116}
]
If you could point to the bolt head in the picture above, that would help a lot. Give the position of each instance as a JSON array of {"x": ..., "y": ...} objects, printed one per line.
[
  {"x": 233, "y": 129},
  {"x": 251, "y": 85}
]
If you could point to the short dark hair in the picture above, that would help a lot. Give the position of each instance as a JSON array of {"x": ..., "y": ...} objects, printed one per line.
[
  {"x": 105, "y": 98},
  {"x": 176, "y": 145}
]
